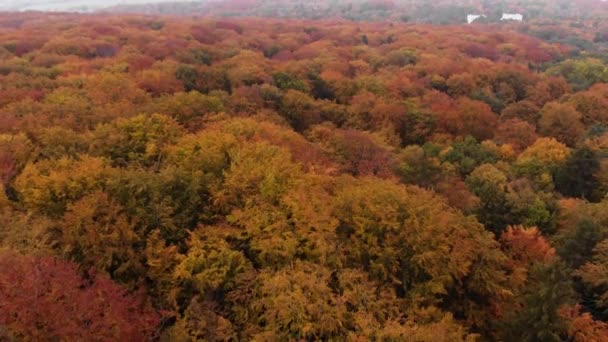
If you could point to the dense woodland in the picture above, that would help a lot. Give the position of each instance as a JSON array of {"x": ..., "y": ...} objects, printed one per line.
[{"x": 184, "y": 179}]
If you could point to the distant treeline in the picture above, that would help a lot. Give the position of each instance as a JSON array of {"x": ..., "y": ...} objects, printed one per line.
[{"x": 435, "y": 12}]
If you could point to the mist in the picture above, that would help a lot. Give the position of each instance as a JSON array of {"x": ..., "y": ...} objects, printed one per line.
[{"x": 71, "y": 5}]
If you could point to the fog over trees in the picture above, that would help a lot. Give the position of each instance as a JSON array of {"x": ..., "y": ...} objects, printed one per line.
[{"x": 70, "y": 5}]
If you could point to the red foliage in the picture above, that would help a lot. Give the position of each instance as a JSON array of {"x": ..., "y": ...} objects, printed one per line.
[
  {"x": 527, "y": 245},
  {"x": 516, "y": 132},
  {"x": 14, "y": 95},
  {"x": 226, "y": 25},
  {"x": 26, "y": 46},
  {"x": 140, "y": 62},
  {"x": 7, "y": 168},
  {"x": 535, "y": 54},
  {"x": 106, "y": 30},
  {"x": 582, "y": 327},
  {"x": 42, "y": 298},
  {"x": 481, "y": 51},
  {"x": 203, "y": 35},
  {"x": 357, "y": 152}
]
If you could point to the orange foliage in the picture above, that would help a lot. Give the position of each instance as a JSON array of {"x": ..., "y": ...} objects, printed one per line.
[{"x": 526, "y": 245}]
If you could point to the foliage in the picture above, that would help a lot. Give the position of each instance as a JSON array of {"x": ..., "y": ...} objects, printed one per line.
[
  {"x": 44, "y": 298},
  {"x": 265, "y": 179}
]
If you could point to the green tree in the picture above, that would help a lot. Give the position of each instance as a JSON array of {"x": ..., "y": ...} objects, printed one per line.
[
  {"x": 577, "y": 178},
  {"x": 549, "y": 289},
  {"x": 490, "y": 185},
  {"x": 287, "y": 81}
]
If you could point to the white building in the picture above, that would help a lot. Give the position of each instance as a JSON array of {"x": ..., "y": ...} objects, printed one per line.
[
  {"x": 512, "y": 16},
  {"x": 472, "y": 17}
]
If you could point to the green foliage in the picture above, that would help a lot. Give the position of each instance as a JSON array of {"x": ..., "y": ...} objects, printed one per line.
[
  {"x": 321, "y": 89},
  {"x": 541, "y": 161},
  {"x": 137, "y": 140},
  {"x": 415, "y": 167},
  {"x": 489, "y": 184},
  {"x": 594, "y": 276},
  {"x": 581, "y": 73},
  {"x": 418, "y": 125},
  {"x": 402, "y": 57},
  {"x": 538, "y": 320},
  {"x": 577, "y": 178},
  {"x": 299, "y": 109},
  {"x": 468, "y": 154},
  {"x": 188, "y": 109},
  {"x": 287, "y": 81},
  {"x": 576, "y": 245},
  {"x": 198, "y": 55}
]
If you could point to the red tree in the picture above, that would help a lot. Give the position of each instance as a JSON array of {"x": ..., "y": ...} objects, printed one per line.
[{"x": 42, "y": 298}]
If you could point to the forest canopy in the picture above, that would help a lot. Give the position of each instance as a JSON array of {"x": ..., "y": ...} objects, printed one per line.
[{"x": 182, "y": 179}]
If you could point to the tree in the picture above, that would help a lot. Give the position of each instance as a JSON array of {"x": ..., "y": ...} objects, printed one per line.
[
  {"x": 489, "y": 184},
  {"x": 591, "y": 104},
  {"x": 161, "y": 260},
  {"x": 577, "y": 178},
  {"x": 300, "y": 110},
  {"x": 135, "y": 140},
  {"x": 410, "y": 239},
  {"x": 112, "y": 92},
  {"x": 467, "y": 155},
  {"x": 203, "y": 78},
  {"x": 210, "y": 266},
  {"x": 188, "y": 109},
  {"x": 594, "y": 274},
  {"x": 418, "y": 124},
  {"x": 358, "y": 153},
  {"x": 415, "y": 167},
  {"x": 523, "y": 110},
  {"x": 297, "y": 303},
  {"x": 581, "y": 73},
  {"x": 582, "y": 327},
  {"x": 541, "y": 160},
  {"x": 287, "y": 81},
  {"x": 157, "y": 82},
  {"x": 261, "y": 179},
  {"x": 48, "y": 186},
  {"x": 532, "y": 207},
  {"x": 561, "y": 121},
  {"x": 517, "y": 133},
  {"x": 57, "y": 142},
  {"x": 402, "y": 57},
  {"x": 70, "y": 107},
  {"x": 475, "y": 119},
  {"x": 246, "y": 68},
  {"x": 460, "y": 85},
  {"x": 15, "y": 151},
  {"x": 96, "y": 233},
  {"x": 539, "y": 318},
  {"x": 42, "y": 298},
  {"x": 581, "y": 227},
  {"x": 527, "y": 246},
  {"x": 199, "y": 321}
]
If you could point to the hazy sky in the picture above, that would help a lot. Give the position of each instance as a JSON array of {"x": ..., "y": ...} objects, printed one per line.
[{"x": 67, "y": 5}]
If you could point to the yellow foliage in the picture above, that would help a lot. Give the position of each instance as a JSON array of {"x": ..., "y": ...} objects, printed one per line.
[{"x": 49, "y": 185}]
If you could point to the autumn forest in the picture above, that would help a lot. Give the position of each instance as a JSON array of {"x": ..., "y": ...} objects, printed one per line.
[{"x": 210, "y": 178}]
